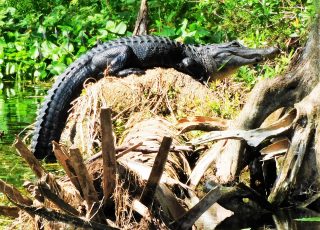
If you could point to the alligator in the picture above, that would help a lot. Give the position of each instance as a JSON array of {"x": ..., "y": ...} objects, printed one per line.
[{"x": 133, "y": 55}]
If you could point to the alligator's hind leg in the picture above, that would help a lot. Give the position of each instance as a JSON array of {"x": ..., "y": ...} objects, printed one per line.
[{"x": 117, "y": 60}]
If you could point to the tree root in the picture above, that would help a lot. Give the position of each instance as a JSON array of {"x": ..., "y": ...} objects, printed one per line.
[{"x": 297, "y": 91}]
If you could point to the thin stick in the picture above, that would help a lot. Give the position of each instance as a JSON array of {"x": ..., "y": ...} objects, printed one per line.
[
  {"x": 9, "y": 211},
  {"x": 12, "y": 193},
  {"x": 49, "y": 194},
  {"x": 29, "y": 158},
  {"x": 52, "y": 215},
  {"x": 143, "y": 149},
  {"x": 156, "y": 172},
  {"x": 86, "y": 184},
  {"x": 124, "y": 152},
  {"x": 108, "y": 153},
  {"x": 168, "y": 201},
  {"x": 64, "y": 161},
  {"x": 188, "y": 219}
]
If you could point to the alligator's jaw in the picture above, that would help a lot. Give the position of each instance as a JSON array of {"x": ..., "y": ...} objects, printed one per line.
[
  {"x": 257, "y": 54},
  {"x": 229, "y": 59}
]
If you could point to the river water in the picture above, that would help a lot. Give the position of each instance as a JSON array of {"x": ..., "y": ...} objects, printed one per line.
[
  {"x": 18, "y": 105},
  {"x": 19, "y": 102}
]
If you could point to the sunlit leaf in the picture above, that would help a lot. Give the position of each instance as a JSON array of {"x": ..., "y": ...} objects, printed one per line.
[
  {"x": 309, "y": 219},
  {"x": 68, "y": 47},
  {"x": 57, "y": 68},
  {"x": 110, "y": 25},
  {"x": 37, "y": 73},
  {"x": 41, "y": 30},
  {"x": 10, "y": 68},
  {"x": 47, "y": 48},
  {"x": 19, "y": 46},
  {"x": 34, "y": 53},
  {"x": 121, "y": 28}
]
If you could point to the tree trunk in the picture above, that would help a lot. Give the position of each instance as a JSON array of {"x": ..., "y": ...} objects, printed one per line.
[
  {"x": 141, "y": 26},
  {"x": 298, "y": 89}
]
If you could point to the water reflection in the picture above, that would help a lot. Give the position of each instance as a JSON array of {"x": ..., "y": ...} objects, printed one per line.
[
  {"x": 18, "y": 105},
  {"x": 19, "y": 102}
]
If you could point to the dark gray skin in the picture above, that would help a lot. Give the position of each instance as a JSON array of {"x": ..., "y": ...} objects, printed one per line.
[{"x": 133, "y": 55}]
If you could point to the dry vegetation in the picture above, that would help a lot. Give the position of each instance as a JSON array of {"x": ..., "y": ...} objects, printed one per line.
[
  {"x": 145, "y": 109},
  {"x": 161, "y": 92}
]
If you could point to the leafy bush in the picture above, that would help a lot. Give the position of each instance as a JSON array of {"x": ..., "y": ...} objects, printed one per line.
[
  {"x": 39, "y": 46},
  {"x": 38, "y": 39}
]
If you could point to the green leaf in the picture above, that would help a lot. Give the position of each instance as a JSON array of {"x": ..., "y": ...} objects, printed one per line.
[
  {"x": 110, "y": 25},
  {"x": 34, "y": 53},
  {"x": 67, "y": 47},
  {"x": 57, "y": 68},
  {"x": 121, "y": 28},
  {"x": 117, "y": 29},
  {"x": 41, "y": 30},
  {"x": 168, "y": 31},
  {"x": 82, "y": 49},
  {"x": 47, "y": 48},
  {"x": 309, "y": 219},
  {"x": 19, "y": 46},
  {"x": 10, "y": 68},
  {"x": 43, "y": 74},
  {"x": 3, "y": 43}
]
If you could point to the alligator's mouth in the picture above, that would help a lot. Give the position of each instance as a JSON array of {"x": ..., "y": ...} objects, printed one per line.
[{"x": 231, "y": 56}]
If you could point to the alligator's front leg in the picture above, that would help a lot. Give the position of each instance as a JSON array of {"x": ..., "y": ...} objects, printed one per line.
[
  {"x": 190, "y": 66},
  {"x": 117, "y": 60}
]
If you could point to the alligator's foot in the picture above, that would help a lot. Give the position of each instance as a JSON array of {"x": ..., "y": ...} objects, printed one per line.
[{"x": 126, "y": 72}]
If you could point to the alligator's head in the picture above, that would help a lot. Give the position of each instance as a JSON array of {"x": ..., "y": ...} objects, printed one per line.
[{"x": 228, "y": 57}]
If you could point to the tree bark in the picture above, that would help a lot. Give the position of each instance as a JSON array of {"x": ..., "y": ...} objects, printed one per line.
[
  {"x": 298, "y": 89},
  {"x": 141, "y": 26}
]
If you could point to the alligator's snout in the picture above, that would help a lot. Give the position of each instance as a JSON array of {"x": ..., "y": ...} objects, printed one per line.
[
  {"x": 233, "y": 55},
  {"x": 264, "y": 54},
  {"x": 270, "y": 53},
  {"x": 255, "y": 54}
]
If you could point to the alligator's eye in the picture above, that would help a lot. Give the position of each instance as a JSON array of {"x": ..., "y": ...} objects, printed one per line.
[{"x": 235, "y": 44}]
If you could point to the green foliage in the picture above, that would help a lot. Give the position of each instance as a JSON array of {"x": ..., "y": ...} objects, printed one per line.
[
  {"x": 309, "y": 219},
  {"x": 254, "y": 23},
  {"x": 27, "y": 6},
  {"x": 37, "y": 46},
  {"x": 39, "y": 39}
]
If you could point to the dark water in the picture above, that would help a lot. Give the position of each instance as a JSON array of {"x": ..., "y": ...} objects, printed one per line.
[
  {"x": 18, "y": 105},
  {"x": 286, "y": 219}
]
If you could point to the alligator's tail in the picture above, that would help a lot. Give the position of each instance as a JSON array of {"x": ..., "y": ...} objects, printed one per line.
[
  {"x": 52, "y": 117},
  {"x": 53, "y": 114}
]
